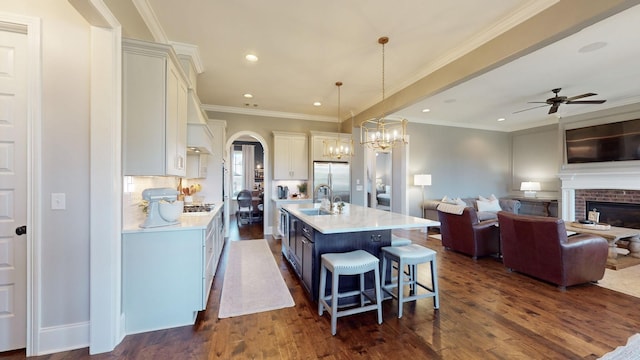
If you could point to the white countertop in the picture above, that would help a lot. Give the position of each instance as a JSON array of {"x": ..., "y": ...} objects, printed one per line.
[
  {"x": 357, "y": 218},
  {"x": 292, "y": 200},
  {"x": 188, "y": 221}
]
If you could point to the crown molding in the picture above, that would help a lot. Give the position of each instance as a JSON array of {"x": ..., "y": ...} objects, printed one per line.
[
  {"x": 267, "y": 113},
  {"x": 151, "y": 20},
  {"x": 192, "y": 51}
]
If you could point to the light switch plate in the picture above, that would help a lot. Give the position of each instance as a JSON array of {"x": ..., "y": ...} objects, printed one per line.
[{"x": 58, "y": 201}]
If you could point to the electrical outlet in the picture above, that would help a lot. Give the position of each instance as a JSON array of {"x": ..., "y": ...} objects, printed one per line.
[{"x": 58, "y": 201}]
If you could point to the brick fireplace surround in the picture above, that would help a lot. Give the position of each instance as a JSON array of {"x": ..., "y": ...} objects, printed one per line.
[
  {"x": 609, "y": 195},
  {"x": 599, "y": 182}
]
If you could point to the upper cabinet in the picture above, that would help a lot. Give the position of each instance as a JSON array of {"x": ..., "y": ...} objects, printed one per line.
[
  {"x": 290, "y": 156},
  {"x": 318, "y": 139},
  {"x": 155, "y": 99}
]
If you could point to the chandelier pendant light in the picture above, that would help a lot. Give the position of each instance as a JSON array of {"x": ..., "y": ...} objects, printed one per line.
[
  {"x": 383, "y": 133},
  {"x": 341, "y": 146}
]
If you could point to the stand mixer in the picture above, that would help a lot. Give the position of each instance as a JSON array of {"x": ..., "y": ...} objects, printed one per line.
[{"x": 170, "y": 211}]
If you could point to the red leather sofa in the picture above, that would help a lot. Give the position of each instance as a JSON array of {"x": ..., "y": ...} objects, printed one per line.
[
  {"x": 538, "y": 246},
  {"x": 464, "y": 233}
]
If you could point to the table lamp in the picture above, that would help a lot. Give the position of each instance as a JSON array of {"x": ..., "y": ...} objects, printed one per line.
[{"x": 530, "y": 188}]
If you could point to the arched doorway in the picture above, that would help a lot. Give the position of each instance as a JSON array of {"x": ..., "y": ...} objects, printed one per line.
[{"x": 228, "y": 183}]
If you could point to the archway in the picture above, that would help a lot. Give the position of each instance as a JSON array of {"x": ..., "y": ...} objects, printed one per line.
[{"x": 267, "y": 176}]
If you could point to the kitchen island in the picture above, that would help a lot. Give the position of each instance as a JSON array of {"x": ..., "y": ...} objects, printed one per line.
[{"x": 312, "y": 232}]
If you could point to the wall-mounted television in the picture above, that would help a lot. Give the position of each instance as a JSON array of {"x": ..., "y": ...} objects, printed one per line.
[{"x": 619, "y": 141}]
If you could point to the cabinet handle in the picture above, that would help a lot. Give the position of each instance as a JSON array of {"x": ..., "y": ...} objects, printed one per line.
[{"x": 376, "y": 238}]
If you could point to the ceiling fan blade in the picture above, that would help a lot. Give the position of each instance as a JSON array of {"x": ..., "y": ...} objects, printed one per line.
[
  {"x": 536, "y": 102},
  {"x": 535, "y": 107},
  {"x": 586, "y": 102},
  {"x": 580, "y": 96},
  {"x": 554, "y": 108}
]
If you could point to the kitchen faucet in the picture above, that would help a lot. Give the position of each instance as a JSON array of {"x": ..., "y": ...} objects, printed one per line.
[{"x": 330, "y": 196}]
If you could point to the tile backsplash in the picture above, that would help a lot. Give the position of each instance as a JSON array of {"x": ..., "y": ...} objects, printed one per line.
[{"x": 133, "y": 186}]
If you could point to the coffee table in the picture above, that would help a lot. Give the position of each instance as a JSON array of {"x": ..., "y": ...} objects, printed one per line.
[{"x": 617, "y": 237}]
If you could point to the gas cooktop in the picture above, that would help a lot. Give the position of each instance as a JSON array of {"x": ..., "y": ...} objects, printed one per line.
[{"x": 198, "y": 208}]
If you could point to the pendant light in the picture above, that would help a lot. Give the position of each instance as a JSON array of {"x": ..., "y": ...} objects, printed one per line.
[
  {"x": 383, "y": 133},
  {"x": 341, "y": 146}
]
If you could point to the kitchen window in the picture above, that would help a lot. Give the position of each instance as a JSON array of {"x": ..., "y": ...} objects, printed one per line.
[{"x": 238, "y": 176}]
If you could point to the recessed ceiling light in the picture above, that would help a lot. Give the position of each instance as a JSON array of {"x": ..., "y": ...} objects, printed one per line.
[
  {"x": 317, "y": 103},
  {"x": 251, "y": 57},
  {"x": 248, "y": 96},
  {"x": 426, "y": 110},
  {"x": 502, "y": 119}
]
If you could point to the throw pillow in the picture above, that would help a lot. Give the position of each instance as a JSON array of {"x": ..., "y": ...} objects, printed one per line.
[
  {"x": 482, "y": 198},
  {"x": 489, "y": 205},
  {"x": 460, "y": 202},
  {"x": 456, "y": 201}
]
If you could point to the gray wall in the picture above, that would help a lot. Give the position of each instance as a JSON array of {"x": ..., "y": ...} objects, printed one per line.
[
  {"x": 462, "y": 162},
  {"x": 537, "y": 156}
]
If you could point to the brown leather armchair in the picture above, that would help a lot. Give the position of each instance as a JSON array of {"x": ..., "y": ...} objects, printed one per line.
[
  {"x": 538, "y": 246},
  {"x": 465, "y": 234}
]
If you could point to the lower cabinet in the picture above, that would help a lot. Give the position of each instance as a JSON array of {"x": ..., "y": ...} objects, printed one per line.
[
  {"x": 307, "y": 246},
  {"x": 167, "y": 275}
]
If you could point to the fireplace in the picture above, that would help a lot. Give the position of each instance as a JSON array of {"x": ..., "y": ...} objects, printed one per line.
[
  {"x": 609, "y": 183},
  {"x": 616, "y": 214}
]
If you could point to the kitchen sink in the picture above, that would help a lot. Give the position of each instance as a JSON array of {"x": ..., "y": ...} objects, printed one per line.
[{"x": 314, "y": 212}]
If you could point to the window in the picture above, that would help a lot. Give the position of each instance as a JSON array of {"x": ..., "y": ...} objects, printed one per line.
[{"x": 238, "y": 178}]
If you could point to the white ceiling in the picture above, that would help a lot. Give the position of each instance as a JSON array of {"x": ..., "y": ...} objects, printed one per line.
[{"x": 305, "y": 47}]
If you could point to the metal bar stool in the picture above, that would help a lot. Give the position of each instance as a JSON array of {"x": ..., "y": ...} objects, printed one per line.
[
  {"x": 410, "y": 256},
  {"x": 356, "y": 262}
]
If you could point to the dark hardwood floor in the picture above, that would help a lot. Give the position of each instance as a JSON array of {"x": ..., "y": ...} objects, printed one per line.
[{"x": 485, "y": 313}]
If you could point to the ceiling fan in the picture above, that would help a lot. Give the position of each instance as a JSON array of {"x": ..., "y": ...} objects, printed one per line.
[{"x": 556, "y": 100}]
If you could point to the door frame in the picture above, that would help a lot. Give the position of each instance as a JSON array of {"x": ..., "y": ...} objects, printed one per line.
[
  {"x": 267, "y": 178},
  {"x": 34, "y": 174}
]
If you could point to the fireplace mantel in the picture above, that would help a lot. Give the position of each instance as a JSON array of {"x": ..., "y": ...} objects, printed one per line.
[{"x": 622, "y": 176}]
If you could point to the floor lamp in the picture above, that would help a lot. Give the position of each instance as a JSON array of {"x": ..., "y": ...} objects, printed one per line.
[{"x": 422, "y": 180}]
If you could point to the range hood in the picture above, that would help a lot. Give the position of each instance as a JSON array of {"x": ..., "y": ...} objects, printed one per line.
[{"x": 199, "y": 139}]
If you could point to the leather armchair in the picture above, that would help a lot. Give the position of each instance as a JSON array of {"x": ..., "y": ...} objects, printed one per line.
[
  {"x": 465, "y": 234},
  {"x": 538, "y": 246}
]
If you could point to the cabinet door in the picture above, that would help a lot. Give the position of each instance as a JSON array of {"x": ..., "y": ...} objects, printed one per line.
[
  {"x": 175, "y": 123},
  {"x": 307, "y": 264},
  {"x": 281, "y": 158},
  {"x": 291, "y": 157},
  {"x": 143, "y": 102},
  {"x": 299, "y": 160}
]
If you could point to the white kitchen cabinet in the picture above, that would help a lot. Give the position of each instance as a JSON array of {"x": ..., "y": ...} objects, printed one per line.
[
  {"x": 154, "y": 104},
  {"x": 291, "y": 159},
  {"x": 168, "y": 272}
]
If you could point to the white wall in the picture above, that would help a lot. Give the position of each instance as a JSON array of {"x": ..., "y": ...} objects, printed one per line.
[{"x": 64, "y": 271}]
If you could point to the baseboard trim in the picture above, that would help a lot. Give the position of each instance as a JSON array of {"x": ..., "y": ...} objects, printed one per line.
[{"x": 63, "y": 338}]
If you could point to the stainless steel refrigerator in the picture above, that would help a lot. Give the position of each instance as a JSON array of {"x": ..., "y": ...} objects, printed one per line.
[{"x": 335, "y": 174}]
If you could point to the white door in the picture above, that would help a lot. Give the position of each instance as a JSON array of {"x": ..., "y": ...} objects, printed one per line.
[{"x": 13, "y": 190}]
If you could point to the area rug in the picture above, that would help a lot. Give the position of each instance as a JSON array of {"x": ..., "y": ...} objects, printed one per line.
[
  {"x": 624, "y": 281},
  {"x": 626, "y": 352},
  {"x": 252, "y": 281}
]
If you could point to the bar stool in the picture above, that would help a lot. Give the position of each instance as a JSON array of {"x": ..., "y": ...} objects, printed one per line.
[
  {"x": 410, "y": 256},
  {"x": 399, "y": 241},
  {"x": 356, "y": 262}
]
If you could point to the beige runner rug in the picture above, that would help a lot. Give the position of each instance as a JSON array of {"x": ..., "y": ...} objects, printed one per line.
[{"x": 252, "y": 281}]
